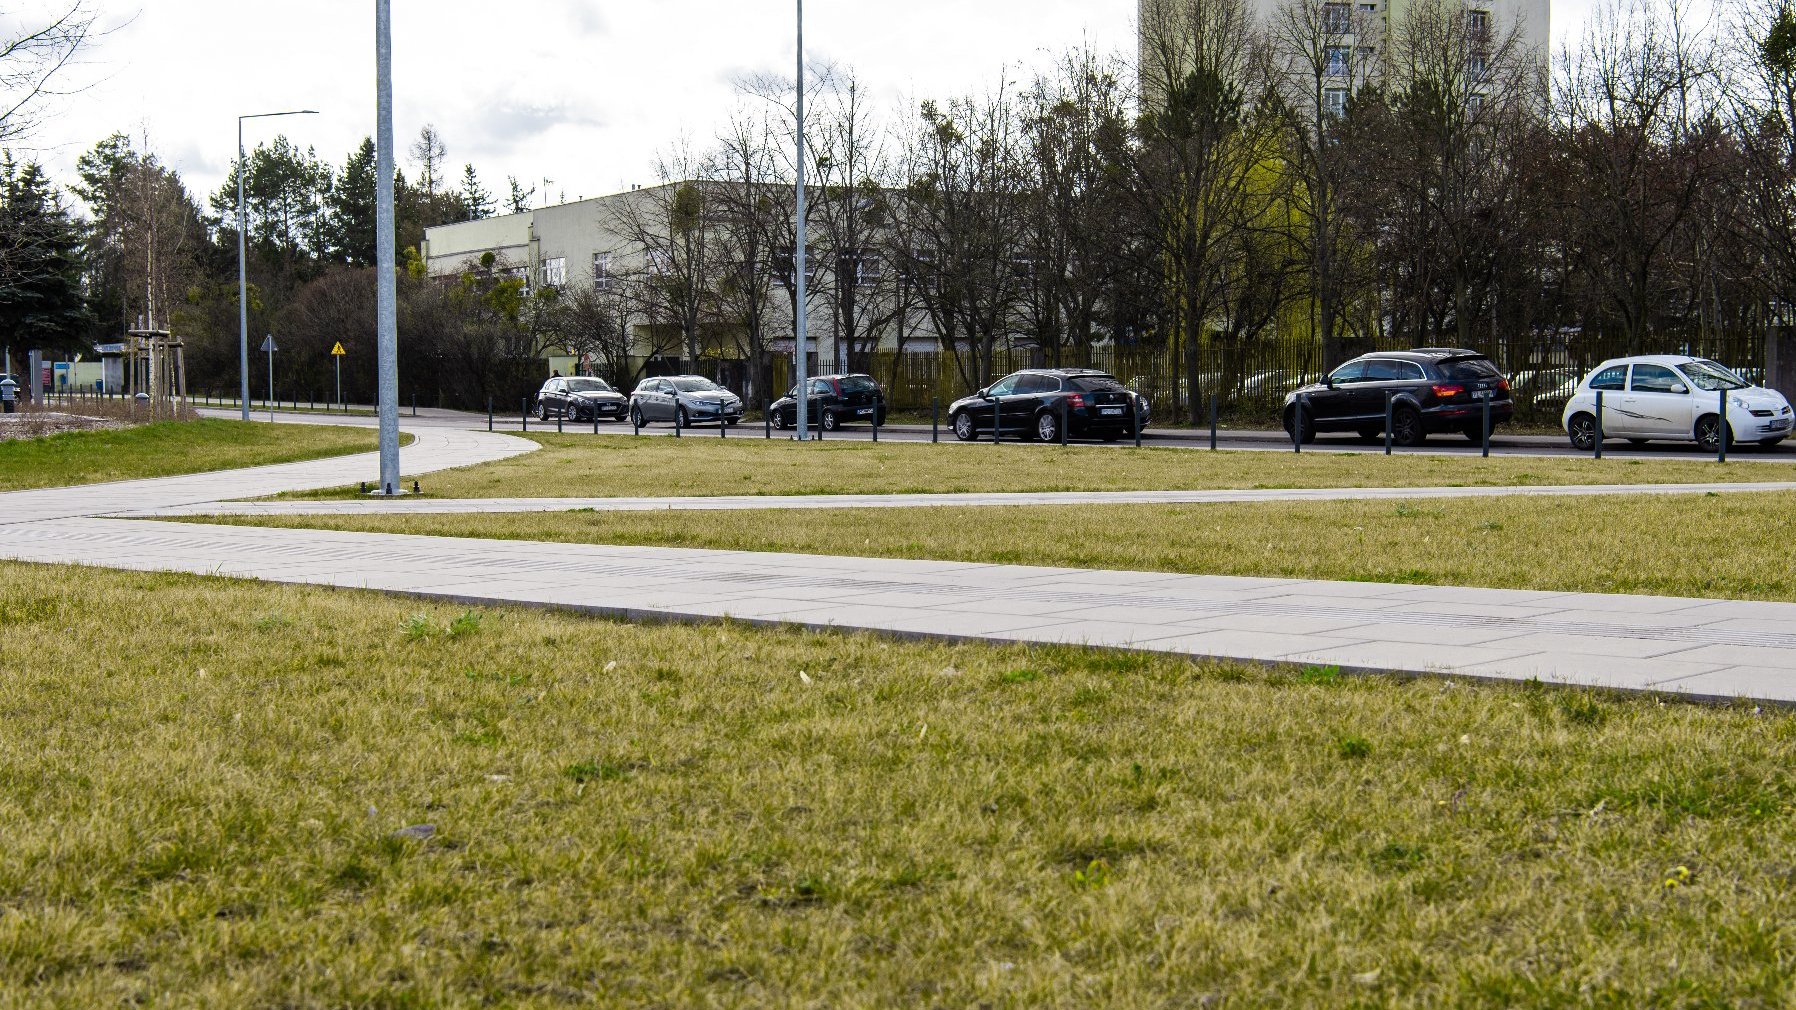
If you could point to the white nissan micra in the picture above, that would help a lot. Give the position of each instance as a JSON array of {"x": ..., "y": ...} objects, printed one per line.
[{"x": 1674, "y": 398}]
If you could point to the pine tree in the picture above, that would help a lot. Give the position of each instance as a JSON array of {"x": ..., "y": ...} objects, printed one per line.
[
  {"x": 476, "y": 201},
  {"x": 520, "y": 198},
  {"x": 41, "y": 301},
  {"x": 352, "y": 211}
]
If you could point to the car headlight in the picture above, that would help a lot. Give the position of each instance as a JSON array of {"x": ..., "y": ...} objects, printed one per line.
[{"x": 1738, "y": 401}]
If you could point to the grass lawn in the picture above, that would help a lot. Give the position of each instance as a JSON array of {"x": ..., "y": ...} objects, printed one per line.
[
  {"x": 1733, "y": 546},
  {"x": 168, "y": 448},
  {"x": 583, "y": 466},
  {"x": 204, "y": 807}
]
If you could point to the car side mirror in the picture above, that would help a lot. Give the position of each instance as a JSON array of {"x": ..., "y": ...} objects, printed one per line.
[
  {"x": 983, "y": 393},
  {"x": 1328, "y": 381},
  {"x": 1680, "y": 389}
]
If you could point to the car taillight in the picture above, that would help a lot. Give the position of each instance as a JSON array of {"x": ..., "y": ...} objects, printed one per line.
[
  {"x": 1503, "y": 384},
  {"x": 1075, "y": 400},
  {"x": 1448, "y": 392}
]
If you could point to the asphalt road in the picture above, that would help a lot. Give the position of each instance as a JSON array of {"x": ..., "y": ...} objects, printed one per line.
[{"x": 1237, "y": 440}]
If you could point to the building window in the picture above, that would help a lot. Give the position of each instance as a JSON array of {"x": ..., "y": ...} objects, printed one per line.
[
  {"x": 1478, "y": 22},
  {"x": 1474, "y": 68},
  {"x": 1334, "y": 101},
  {"x": 1365, "y": 55},
  {"x": 869, "y": 270},
  {"x": 1475, "y": 101},
  {"x": 1337, "y": 60},
  {"x": 555, "y": 272},
  {"x": 1337, "y": 18},
  {"x": 601, "y": 271},
  {"x": 660, "y": 262},
  {"x": 1368, "y": 8}
]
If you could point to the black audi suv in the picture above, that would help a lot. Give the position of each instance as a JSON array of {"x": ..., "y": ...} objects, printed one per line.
[
  {"x": 1430, "y": 390},
  {"x": 580, "y": 399}
]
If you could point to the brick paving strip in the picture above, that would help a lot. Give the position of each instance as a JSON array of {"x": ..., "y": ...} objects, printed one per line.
[{"x": 1709, "y": 649}]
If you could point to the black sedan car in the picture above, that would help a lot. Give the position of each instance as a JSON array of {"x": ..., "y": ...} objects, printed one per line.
[
  {"x": 834, "y": 400},
  {"x": 580, "y": 399},
  {"x": 1031, "y": 403},
  {"x": 685, "y": 400},
  {"x": 1431, "y": 390}
]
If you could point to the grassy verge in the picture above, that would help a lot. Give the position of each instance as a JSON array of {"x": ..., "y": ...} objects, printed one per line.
[
  {"x": 205, "y": 805},
  {"x": 168, "y": 448},
  {"x": 1726, "y": 546},
  {"x": 574, "y": 466}
]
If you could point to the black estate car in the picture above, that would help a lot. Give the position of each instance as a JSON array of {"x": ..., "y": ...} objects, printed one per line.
[
  {"x": 1431, "y": 390},
  {"x": 684, "y": 399},
  {"x": 834, "y": 400},
  {"x": 580, "y": 399},
  {"x": 1030, "y": 404}
]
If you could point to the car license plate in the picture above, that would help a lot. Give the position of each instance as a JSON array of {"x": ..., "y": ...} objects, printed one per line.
[
  {"x": 1110, "y": 410},
  {"x": 864, "y": 411},
  {"x": 1779, "y": 425}
]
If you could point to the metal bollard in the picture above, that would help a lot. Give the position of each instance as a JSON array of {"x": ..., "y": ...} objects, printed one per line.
[
  {"x": 489, "y": 413},
  {"x": 414, "y": 404},
  {"x": 1390, "y": 400},
  {"x": 524, "y": 412},
  {"x": 635, "y": 429},
  {"x": 723, "y": 426},
  {"x": 767, "y": 422},
  {"x": 877, "y": 407},
  {"x": 935, "y": 420},
  {"x": 1303, "y": 409},
  {"x": 997, "y": 419},
  {"x": 1212, "y": 422},
  {"x": 1135, "y": 416},
  {"x": 559, "y": 416},
  {"x": 1599, "y": 424},
  {"x": 1487, "y": 427},
  {"x": 595, "y": 420},
  {"x": 677, "y": 424},
  {"x": 1066, "y": 416},
  {"x": 1722, "y": 429}
]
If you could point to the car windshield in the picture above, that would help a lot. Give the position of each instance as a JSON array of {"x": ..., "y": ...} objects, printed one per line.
[
  {"x": 696, "y": 386},
  {"x": 859, "y": 384},
  {"x": 1707, "y": 375},
  {"x": 1470, "y": 369},
  {"x": 587, "y": 386},
  {"x": 1096, "y": 384}
]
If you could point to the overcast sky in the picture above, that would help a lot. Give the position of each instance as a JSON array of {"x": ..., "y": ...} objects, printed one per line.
[{"x": 583, "y": 92}]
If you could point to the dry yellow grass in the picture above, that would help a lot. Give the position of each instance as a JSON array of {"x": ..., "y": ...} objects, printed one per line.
[
  {"x": 200, "y": 809},
  {"x": 1733, "y": 546}
]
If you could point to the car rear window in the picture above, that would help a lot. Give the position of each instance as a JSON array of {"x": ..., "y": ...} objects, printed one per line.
[
  {"x": 1470, "y": 369},
  {"x": 1097, "y": 384},
  {"x": 858, "y": 384}
]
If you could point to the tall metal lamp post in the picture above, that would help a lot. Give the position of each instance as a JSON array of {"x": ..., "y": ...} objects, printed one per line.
[
  {"x": 803, "y": 400},
  {"x": 386, "y": 254},
  {"x": 242, "y": 258}
]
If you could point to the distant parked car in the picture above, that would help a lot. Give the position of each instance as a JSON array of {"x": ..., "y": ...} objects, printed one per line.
[
  {"x": 1675, "y": 398},
  {"x": 580, "y": 399},
  {"x": 1031, "y": 403},
  {"x": 1431, "y": 390},
  {"x": 834, "y": 400},
  {"x": 1545, "y": 385},
  {"x": 684, "y": 399}
]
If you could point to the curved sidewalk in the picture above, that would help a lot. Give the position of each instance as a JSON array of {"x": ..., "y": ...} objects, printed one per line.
[
  {"x": 731, "y": 503},
  {"x": 432, "y": 450}
]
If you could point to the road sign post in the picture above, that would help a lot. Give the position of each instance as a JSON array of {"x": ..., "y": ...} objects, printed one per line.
[
  {"x": 268, "y": 348},
  {"x": 337, "y": 354}
]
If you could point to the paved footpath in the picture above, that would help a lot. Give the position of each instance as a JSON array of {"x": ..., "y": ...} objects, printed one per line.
[
  {"x": 1701, "y": 648},
  {"x": 734, "y": 503}
]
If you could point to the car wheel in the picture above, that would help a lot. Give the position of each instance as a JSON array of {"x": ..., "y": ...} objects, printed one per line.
[
  {"x": 1709, "y": 433},
  {"x": 1582, "y": 430},
  {"x": 681, "y": 418},
  {"x": 1309, "y": 428},
  {"x": 964, "y": 428},
  {"x": 778, "y": 420},
  {"x": 542, "y": 411},
  {"x": 637, "y": 419},
  {"x": 829, "y": 421},
  {"x": 1047, "y": 428},
  {"x": 1406, "y": 427}
]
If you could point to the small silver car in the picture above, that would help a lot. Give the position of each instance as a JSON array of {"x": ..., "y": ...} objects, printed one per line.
[{"x": 684, "y": 399}]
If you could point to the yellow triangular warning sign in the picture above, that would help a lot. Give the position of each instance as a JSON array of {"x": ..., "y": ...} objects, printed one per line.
[{"x": 338, "y": 351}]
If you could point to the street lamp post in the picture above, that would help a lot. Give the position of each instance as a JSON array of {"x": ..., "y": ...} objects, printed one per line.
[
  {"x": 242, "y": 259},
  {"x": 386, "y": 254},
  {"x": 802, "y": 400}
]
